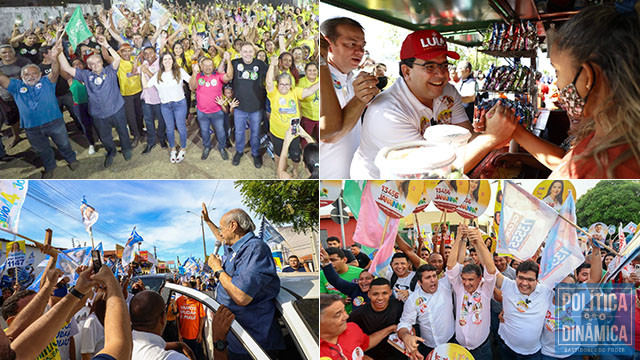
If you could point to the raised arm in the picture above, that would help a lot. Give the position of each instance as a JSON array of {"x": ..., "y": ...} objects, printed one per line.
[
  {"x": 228, "y": 75},
  {"x": 55, "y": 65},
  {"x": 193, "y": 80},
  {"x": 345, "y": 287},
  {"x": 310, "y": 90},
  {"x": 65, "y": 66},
  {"x": 486, "y": 258},
  {"x": 107, "y": 22},
  {"x": 458, "y": 248},
  {"x": 114, "y": 54},
  {"x": 596, "y": 264},
  {"x": 214, "y": 228},
  {"x": 407, "y": 250},
  {"x": 271, "y": 74},
  {"x": 117, "y": 323},
  {"x": 282, "y": 161}
]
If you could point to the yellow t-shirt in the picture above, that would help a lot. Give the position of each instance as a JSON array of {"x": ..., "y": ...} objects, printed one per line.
[
  {"x": 309, "y": 106},
  {"x": 216, "y": 60},
  {"x": 283, "y": 109},
  {"x": 234, "y": 54},
  {"x": 200, "y": 27},
  {"x": 185, "y": 65},
  {"x": 129, "y": 84}
]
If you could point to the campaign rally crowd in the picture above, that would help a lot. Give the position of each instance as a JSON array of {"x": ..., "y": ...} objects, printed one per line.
[
  {"x": 365, "y": 113},
  {"x": 98, "y": 315},
  {"x": 494, "y": 306},
  {"x": 235, "y": 68}
]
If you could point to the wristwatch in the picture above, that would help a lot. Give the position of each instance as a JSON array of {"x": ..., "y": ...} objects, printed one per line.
[
  {"x": 220, "y": 345},
  {"x": 217, "y": 274},
  {"x": 76, "y": 293}
]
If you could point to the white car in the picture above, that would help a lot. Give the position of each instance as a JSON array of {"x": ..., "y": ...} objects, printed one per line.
[{"x": 297, "y": 305}]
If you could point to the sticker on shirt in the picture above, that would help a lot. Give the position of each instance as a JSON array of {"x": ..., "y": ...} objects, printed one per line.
[
  {"x": 97, "y": 81},
  {"x": 444, "y": 117},
  {"x": 421, "y": 303},
  {"x": 47, "y": 71},
  {"x": 255, "y": 68},
  {"x": 358, "y": 301},
  {"x": 23, "y": 90},
  {"x": 214, "y": 82},
  {"x": 240, "y": 67},
  {"x": 23, "y": 51},
  {"x": 336, "y": 83},
  {"x": 290, "y": 108},
  {"x": 33, "y": 52},
  {"x": 448, "y": 100},
  {"x": 357, "y": 354},
  {"x": 245, "y": 75},
  {"x": 559, "y": 319},
  {"x": 254, "y": 76},
  {"x": 424, "y": 123},
  {"x": 201, "y": 81},
  {"x": 523, "y": 305},
  {"x": 38, "y": 86}
]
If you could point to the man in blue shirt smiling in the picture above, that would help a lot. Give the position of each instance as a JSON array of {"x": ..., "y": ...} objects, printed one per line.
[
  {"x": 40, "y": 115},
  {"x": 248, "y": 282}
]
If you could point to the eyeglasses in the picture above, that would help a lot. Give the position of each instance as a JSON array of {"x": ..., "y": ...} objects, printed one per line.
[{"x": 432, "y": 66}]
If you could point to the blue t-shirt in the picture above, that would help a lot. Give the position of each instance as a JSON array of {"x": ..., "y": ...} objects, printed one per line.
[
  {"x": 250, "y": 264},
  {"x": 290, "y": 269},
  {"x": 103, "y": 357},
  {"x": 37, "y": 104},
  {"x": 103, "y": 90}
]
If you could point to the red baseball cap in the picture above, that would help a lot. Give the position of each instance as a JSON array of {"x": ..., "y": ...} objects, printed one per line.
[{"x": 425, "y": 45}]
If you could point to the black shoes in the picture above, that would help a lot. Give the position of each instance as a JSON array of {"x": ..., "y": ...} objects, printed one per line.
[
  {"x": 224, "y": 154},
  {"x": 236, "y": 158},
  {"x": 257, "y": 161},
  {"x": 148, "y": 149},
  {"x": 205, "y": 153}
]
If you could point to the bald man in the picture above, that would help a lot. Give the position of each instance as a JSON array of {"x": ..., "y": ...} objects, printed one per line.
[
  {"x": 148, "y": 320},
  {"x": 248, "y": 281}
]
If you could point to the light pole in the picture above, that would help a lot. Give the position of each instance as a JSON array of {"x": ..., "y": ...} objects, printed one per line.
[{"x": 204, "y": 244}]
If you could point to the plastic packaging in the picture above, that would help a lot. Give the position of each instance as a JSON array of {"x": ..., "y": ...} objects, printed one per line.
[{"x": 417, "y": 160}]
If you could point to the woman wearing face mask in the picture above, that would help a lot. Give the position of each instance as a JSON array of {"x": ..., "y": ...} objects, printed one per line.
[{"x": 596, "y": 55}]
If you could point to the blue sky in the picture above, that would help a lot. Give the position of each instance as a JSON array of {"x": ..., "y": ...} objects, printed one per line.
[{"x": 157, "y": 207}]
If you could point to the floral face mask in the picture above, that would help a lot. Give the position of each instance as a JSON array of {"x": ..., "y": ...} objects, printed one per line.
[{"x": 570, "y": 101}]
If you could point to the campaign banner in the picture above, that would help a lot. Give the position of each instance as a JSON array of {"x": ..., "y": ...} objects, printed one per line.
[
  {"x": 525, "y": 222},
  {"x": 562, "y": 253},
  {"x": 397, "y": 199},
  {"x": 449, "y": 194},
  {"x": 441, "y": 231},
  {"x": 89, "y": 214},
  {"x": 554, "y": 192},
  {"x": 12, "y": 196},
  {"x": 497, "y": 209},
  {"x": 157, "y": 13},
  {"x": 16, "y": 254},
  {"x": 329, "y": 191},
  {"x": 630, "y": 251},
  {"x": 599, "y": 231},
  {"x": 80, "y": 255},
  {"x": 371, "y": 222},
  {"x": 427, "y": 195},
  {"x": 631, "y": 227},
  {"x": 477, "y": 199}
]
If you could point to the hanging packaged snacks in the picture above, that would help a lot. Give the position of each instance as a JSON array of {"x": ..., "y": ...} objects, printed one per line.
[
  {"x": 517, "y": 36},
  {"x": 507, "y": 78}
]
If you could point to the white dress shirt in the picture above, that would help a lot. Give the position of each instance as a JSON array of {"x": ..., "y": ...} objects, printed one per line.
[
  {"x": 336, "y": 157},
  {"x": 432, "y": 312},
  {"x": 148, "y": 346},
  {"x": 473, "y": 311}
]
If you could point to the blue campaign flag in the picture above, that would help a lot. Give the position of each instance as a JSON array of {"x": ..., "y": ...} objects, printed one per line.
[
  {"x": 129, "y": 253},
  {"x": 269, "y": 233}
]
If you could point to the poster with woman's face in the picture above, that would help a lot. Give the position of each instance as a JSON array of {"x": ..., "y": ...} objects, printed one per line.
[
  {"x": 397, "y": 198},
  {"x": 554, "y": 192},
  {"x": 15, "y": 254},
  {"x": 449, "y": 194},
  {"x": 598, "y": 230},
  {"x": 477, "y": 199}
]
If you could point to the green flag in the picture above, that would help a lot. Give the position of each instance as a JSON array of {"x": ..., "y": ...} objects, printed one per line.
[
  {"x": 77, "y": 29},
  {"x": 351, "y": 195}
]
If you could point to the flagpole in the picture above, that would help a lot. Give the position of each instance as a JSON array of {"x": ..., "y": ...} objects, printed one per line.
[
  {"x": 588, "y": 235},
  {"x": 91, "y": 235},
  {"x": 26, "y": 238},
  {"x": 384, "y": 231},
  {"x": 341, "y": 220}
]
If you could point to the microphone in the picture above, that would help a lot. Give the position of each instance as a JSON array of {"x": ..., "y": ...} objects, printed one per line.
[{"x": 217, "y": 247}]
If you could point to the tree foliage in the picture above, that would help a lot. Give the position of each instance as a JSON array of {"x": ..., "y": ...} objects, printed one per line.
[
  {"x": 291, "y": 202},
  {"x": 610, "y": 202}
]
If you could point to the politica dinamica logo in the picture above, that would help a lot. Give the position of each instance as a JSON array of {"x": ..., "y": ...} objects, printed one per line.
[{"x": 592, "y": 319}]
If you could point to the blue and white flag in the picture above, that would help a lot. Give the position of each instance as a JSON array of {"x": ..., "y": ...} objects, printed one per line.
[
  {"x": 269, "y": 233},
  {"x": 129, "y": 253},
  {"x": 562, "y": 253},
  {"x": 191, "y": 266},
  {"x": 89, "y": 215},
  {"x": 14, "y": 192},
  {"x": 525, "y": 222}
]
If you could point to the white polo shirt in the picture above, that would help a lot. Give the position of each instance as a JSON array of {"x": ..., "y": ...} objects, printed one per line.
[
  {"x": 396, "y": 116},
  {"x": 151, "y": 346},
  {"x": 524, "y": 316},
  {"x": 473, "y": 311},
  {"x": 336, "y": 157},
  {"x": 433, "y": 312}
]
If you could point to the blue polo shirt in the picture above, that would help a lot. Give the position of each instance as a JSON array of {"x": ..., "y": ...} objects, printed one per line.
[
  {"x": 250, "y": 264},
  {"x": 290, "y": 269},
  {"x": 103, "y": 90},
  {"x": 37, "y": 104}
]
